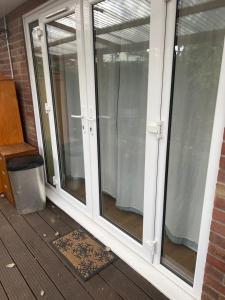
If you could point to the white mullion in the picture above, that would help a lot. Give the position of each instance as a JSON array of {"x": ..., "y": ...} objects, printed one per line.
[
  {"x": 83, "y": 101},
  {"x": 156, "y": 64},
  {"x": 166, "y": 89},
  {"x": 90, "y": 75}
]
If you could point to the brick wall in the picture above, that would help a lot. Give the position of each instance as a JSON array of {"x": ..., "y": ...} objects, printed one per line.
[
  {"x": 4, "y": 55},
  {"x": 20, "y": 67},
  {"x": 214, "y": 281}
]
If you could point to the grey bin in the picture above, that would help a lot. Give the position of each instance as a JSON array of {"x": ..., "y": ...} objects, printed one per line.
[{"x": 26, "y": 174}]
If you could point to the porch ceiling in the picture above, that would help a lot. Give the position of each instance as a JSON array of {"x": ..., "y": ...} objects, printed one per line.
[{"x": 7, "y": 6}]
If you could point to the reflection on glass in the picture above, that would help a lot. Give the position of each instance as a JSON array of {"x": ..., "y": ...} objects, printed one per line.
[
  {"x": 40, "y": 86},
  {"x": 121, "y": 34},
  {"x": 62, "y": 50},
  {"x": 197, "y": 62}
]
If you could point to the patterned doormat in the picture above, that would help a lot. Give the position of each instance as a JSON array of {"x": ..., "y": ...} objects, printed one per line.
[{"x": 83, "y": 253}]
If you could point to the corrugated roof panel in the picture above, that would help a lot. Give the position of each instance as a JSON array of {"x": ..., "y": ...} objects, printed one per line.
[{"x": 117, "y": 12}]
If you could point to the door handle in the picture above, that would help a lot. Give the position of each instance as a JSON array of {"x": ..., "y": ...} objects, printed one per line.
[
  {"x": 77, "y": 116},
  {"x": 90, "y": 118}
]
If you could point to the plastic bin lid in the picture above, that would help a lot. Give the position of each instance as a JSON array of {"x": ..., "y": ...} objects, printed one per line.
[{"x": 24, "y": 162}]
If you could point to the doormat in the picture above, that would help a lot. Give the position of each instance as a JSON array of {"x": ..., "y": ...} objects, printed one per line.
[{"x": 83, "y": 253}]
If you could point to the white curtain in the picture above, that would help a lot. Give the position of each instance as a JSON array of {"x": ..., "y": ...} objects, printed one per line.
[
  {"x": 195, "y": 91},
  {"x": 122, "y": 88}
]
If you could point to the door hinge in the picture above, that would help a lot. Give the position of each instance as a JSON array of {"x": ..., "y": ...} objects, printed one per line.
[
  {"x": 152, "y": 246},
  {"x": 155, "y": 128},
  {"x": 39, "y": 32},
  {"x": 48, "y": 108},
  {"x": 54, "y": 180}
]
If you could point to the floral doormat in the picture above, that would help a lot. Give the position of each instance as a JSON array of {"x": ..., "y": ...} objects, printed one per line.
[{"x": 83, "y": 253}]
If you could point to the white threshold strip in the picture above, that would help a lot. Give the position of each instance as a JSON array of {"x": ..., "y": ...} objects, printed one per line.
[{"x": 158, "y": 276}]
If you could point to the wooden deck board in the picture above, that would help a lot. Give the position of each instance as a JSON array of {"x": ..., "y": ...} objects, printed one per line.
[
  {"x": 55, "y": 222},
  {"x": 3, "y": 295},
  {"x": 32, "y": 272},
  {"x": 27, "y": 241},
  {"x": 142, "y": 283},
  {"x": 39, "y": 225},
  {"x": 122, "y": 284},
  {"x": 66, "y": 283},
  {"x": 63, "y": 216},
  {"x": 13, "y": 282}
]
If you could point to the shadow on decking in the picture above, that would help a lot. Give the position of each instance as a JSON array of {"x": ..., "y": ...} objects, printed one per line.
[{"x": 39, "y": 274}]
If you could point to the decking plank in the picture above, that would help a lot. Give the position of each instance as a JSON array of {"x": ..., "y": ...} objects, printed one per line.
[
  {"x": 34, "y": 275},
  {"x": 100, "y": 289},
  {"x": 47, "y": 233},
  {"x": 67, "y": 284},
  {"x": 3, "y": 295},
  {"x": 63, "y": 216},
  {"x": 11, "y": 279},
  {"x": 54, "y": 221},
  {"x": 122, "y": 285},
  {"x": 142, "y": 283}
]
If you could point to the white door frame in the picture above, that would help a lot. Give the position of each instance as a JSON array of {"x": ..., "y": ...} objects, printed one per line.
[{"x": 162, "y": 278}]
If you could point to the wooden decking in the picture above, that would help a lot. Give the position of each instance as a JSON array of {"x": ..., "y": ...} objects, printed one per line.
[{"x": 40, "y": 274}]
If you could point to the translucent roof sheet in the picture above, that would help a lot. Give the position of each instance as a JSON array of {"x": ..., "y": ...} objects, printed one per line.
[{"x": 125, "y": 22}]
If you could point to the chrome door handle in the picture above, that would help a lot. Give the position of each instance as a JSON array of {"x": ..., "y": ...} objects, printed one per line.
[
  {"x": 77, "y": 116},
  {"x": 90, "y": 118}
]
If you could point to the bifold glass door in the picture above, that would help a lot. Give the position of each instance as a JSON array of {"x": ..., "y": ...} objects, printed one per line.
[
  {"x": 121, "y": 44},
  {"x": 42, "y": 100},
  {"x": 102, "y": 135},
  {"x": 198, "y": 49},
  {"x": 63, "y": 67},
  {"x": 101, "y": 70},
  {"x": 64, "y": 107}
]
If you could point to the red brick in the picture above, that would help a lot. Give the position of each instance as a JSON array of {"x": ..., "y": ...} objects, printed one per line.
[
  {"x": 219, "y": 241},
  {"x": 215, "y": 285},
  {"x": 214, "y": 273},
  {"x": 216, "y": 263},
  {"x": 221, "y": 176},
  {"x": 218, "y": 228},
  {"x": 209, "y": 294},
  {"x": 219, "y": 203},
  {"x": 217, "y": 251},
  {"x": 223, "y": 149},
  {"x": 222, "y": 162},
  {"x": 218, "y": 215}
]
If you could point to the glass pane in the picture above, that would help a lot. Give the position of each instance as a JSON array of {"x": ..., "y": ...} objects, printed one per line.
[
  {"x": 41, "y": 93},
  {"x": 197, "y": 61},
  {"x": 121, "y": 33},
  {"x": 62, "y": 51}
]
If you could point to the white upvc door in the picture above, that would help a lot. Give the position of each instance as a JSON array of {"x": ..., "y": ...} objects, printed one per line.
[
  {"x": 154, "y": 126},
  {"x": 70, "y": 10}
]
